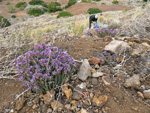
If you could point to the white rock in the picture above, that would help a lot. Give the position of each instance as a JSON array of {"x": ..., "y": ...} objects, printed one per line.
[
  {"x": 117, "y": 46},
  {"x": 83, "y": 111},
  {"x": 85, "y": 70},
  {"x": 133, "y": 82},
  {"x": 97, "y": 74},
  {"x": 146, "y": 93},
  {"x": 82, "y": 85}
]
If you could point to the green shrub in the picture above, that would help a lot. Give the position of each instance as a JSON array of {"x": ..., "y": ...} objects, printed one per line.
[
  {"x": 11, "y": 9},
  {"x": 53, "y": 7},
  {"x": 0, "y": 0},
  {"x": 35, "y": 11},
  {"x": 7, "y": 3},
  {"x": 13, "y": 16},
  {"x": 115, "y": 2},
  {"x": 21, "y": 5},
  {"x": 103, "y": 3},
  {"x": 64, "y": 14},
  {"x": 145, "y": 0},
  {"x": 38, "y": 2},
  {"x": 97, "y": 0},
  {"x": 57, "y": 4},
  {"x": 85, "y": 1},
  {"x": 70, "y": 3},
  {"x": 4, "y": 22},
  {"x": 93, "y": 11}
]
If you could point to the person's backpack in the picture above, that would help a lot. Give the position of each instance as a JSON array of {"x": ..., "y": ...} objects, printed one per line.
[{"x": 96, "y": 25}]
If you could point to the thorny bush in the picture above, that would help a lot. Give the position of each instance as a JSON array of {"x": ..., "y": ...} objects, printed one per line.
[{"x": 44, "y": 68}]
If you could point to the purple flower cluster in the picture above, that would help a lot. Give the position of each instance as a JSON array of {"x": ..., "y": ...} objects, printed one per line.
[
  {"x": 111, "y": 59},
  {"x": 44, "y": 65},
  {"x": 104, "y": 31}
]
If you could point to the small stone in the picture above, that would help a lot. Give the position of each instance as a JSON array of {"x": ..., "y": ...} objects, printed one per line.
[
  {"x": 97, "y": 66},
  {"x": 97, "y": 74},
  {"x": 99, "y": 100},
  {"x": 76, "y": 95},
  {"x": 96, "y": 111},
  {"x": 49, "y": 110},
  {"x": 93, "y": 71},
  {"x": 82, "y": 85},
  {"x": 91, "y": 95},
  {"x": 36, "y": 100},
  {"x": 44, "y": 108},
  {"x": 19, "y": 103},
  {"x": 67, "y": 106},
  {"x": 95, "y": 60},
  {"x": 140, "y": 94},
  {"x": 145, "y": 44},
  {"x": 68, "y": 92},
  {"x": 83, "y": 111},
  {"x": 30, "y": 103},
  {"x": 135, "y": 108},
  {"x": 85, "y": 70},
  {"x": 49, "y": 97},
  {"x": 146, "y": 94},
  {"x": 34, "y": 106},
  {"x": 57, "y": 106},
  {"x": 83, "y": 36},
  {"x": 94, "y": 81},
  {"x": 77, "y": 109},
  {"x": 133, "y": 82}
]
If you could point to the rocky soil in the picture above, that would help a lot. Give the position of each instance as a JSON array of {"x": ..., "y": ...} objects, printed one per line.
[{"x": 98, "y": 86}]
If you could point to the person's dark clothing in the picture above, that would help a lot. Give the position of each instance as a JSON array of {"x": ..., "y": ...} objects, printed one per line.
[{"x": 92, "y": 19}]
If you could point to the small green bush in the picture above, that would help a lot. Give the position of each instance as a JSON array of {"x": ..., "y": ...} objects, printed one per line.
[
  {"x": 4, "y": 22},
  {"x": 85, "y": 1},
  {"x": 70, "y": 3},
  {"x": 0, "y": 0},
  {"x": 145, "y": 0},
  {"x": 57, "y": 4},
  {"x": 53, "y": 7},
  {"x": 13, "y": 16},
  {"x": 115, "y": 2},
  {"x": 35, "y": 11},
  {"x": 21, "y": 5},
  {"x": 97, "y": 0},
  {"x": 64, "y": 14},
  {"x": 7, "y": 3},
  {"x": 93, "y": 11},
  {"x": 103, "y": 3},
  {"x": 11, "y": 9},
  {"x": 38, "y": 2}
]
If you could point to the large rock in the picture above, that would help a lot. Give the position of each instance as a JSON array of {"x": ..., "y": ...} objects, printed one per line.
[
  {"x": 117, "y": 46},
  {"x": 85, "y": 70},
  {"x": 133, "y": 82},
  {"x": 57, "y": 106}
]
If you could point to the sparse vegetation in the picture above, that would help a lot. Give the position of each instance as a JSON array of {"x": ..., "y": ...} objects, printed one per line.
[
  {"x": 21, "y": 5},
  {"x": 64, "y": 14},
  {"x": 35, "y": 11},
  {"x": 13, "y": 16},
  {"x": 11, "y": 9},
  {"x": 7, "y": 3},
  {"x": 54, "y": 7},
  {"x": 115, "y": 2},
  {"x": 93, "y": 11},
  {"x": 4, "y": 22},
  {"x": 70, "y": 3}
]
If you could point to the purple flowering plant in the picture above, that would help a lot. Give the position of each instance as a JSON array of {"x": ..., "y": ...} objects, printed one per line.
[
  {"x": 110, "y": 59},
  {"x": 44, "y": 68},
  {"x": 104, "y": 31}
]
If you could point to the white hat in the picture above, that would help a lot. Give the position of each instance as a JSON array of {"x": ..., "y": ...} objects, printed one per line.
[{"x": 96, "y": 16}]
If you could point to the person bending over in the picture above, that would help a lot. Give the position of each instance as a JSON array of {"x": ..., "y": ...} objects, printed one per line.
[{"x": 92, "y": 18}]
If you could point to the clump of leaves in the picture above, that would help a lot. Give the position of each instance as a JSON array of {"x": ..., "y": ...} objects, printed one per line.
[
  {"x": 13, "y": 16},
  {"x": 115, "y": 2},
  {"x": 54, "y": 7},
  {"x": 35, "y": 11},
  {"x": 93, "y": 11},
  {"x": 64, "y": 14},
  {"x": 44, "y": 68},
  {"x": 21, "y": 5},
  {"x": 4, "y": 22}
]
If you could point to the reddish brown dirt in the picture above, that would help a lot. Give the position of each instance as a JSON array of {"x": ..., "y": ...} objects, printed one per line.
[
  {"x": 81, "y": 8},
  {"x": 81, "y": 48},
  {"x": 8, "y": 89}
]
